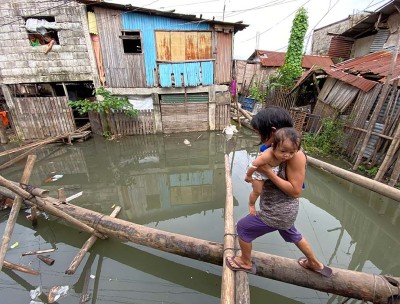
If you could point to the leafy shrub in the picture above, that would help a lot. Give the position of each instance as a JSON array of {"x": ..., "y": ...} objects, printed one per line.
[{"x": 328, "y": 141}]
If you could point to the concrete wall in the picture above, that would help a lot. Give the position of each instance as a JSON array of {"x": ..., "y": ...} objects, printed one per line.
[
  {"x": 68, "y": 61},
  {"x": 321, "y": 40}
]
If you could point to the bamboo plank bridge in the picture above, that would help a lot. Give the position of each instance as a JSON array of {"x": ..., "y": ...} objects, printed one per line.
[{"x": 234, "y": 287}]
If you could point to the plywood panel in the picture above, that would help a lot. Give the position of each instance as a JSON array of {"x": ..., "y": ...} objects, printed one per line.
[
  {"x": 163, "y": 44},
  {"x": 204, "y": 45},
  {"x": 178, "y": 46},
  {"x": 224, "y": 57},
  {"x": 191, "y": 46}
]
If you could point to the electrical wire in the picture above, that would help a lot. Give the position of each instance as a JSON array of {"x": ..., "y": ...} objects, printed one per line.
[
  {"x": 267, "y": 30},
  {"x": 40, "y": 12}
]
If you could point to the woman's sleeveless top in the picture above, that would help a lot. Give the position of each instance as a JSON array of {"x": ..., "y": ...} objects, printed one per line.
[{"x": 277, "y": 209}]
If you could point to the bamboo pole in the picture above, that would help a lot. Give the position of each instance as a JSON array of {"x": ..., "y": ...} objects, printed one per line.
[
  {"x": 347, "y": 283},
  {"x": 85, "y": 248},
  {"x": 244, "y": 112},
  {"x": 379, "y": 104},
  {"x": 45, "y": 204},
  {"x": 20, "y": 268},
  {"x": 15, "y": 210},
  {"x": 228, "y": 276},
  {"x": 396, "y": 172},
  {"x": 389, "y": 155},
  {"x": 241, "y": 283},
  {"x": 365, "y": 182}
]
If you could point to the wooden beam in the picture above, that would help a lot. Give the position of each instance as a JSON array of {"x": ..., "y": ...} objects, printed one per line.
[
  {"x": 228, "y": 276},
  {"x": 85, "y": 248},
  {"x": 347, "y": 283},
  {"x": 12, "y": 219}
]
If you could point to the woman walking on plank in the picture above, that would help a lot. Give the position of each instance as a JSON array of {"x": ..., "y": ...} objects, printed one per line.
[{"x": 279, "y": 200}]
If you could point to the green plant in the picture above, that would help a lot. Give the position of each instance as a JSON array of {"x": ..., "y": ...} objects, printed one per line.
[
  {"x": 291, "y": 70},
  {"x": 370, "y": 172},
  {"x": 328, "y": 141},
  {"x": 105, "y": 103},
  {"x": 258, "y": 91},
  {"x": 15, "y": 139}
]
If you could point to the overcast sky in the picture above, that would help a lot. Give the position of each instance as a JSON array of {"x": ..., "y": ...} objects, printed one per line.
[{"x": 271, "y": 20}]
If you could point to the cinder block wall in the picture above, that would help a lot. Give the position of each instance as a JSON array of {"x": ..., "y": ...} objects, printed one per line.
[{"x": 22, "y": 63}]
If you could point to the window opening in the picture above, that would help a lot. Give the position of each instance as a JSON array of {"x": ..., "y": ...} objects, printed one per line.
[
  {"x": 42, "y": 30},
  {"x": 132, "y": 42}
]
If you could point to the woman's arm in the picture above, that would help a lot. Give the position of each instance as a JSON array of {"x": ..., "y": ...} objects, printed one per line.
[{"x": 295, "y": 173}]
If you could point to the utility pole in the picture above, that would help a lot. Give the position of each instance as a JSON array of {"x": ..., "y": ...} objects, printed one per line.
[{"x": 223, "y": 12}]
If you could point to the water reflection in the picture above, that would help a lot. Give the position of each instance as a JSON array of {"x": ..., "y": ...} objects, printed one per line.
[{"x": 159, "y": 181}]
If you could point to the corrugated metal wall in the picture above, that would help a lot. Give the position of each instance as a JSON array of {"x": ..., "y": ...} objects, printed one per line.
[
  {"x": 340, "y": 47},
  {"x": 224, "y": 52},
  {"x": 186, "y": 74},
  {"x": 122, "y": 70},
  {"x": 379, "y": 40},
  {"x": 147, "y": 25}
]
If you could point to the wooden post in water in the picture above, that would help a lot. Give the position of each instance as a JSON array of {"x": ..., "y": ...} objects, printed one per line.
[
  {"x": 228, "y": 276},
  {"x": 88, "y": 244},
  {"x": 15, "y": 210}
]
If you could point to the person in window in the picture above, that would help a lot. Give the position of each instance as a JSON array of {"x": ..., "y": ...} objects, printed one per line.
[
  {"x": 50, "y": 41},
  {"x": 35, "y": 39}
]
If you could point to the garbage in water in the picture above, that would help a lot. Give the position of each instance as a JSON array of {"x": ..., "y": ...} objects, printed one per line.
[
  {"x": 229, "y": 131},
  {"x": 53, "y": 178},
  {"x": 56, "y": 292},
  {"x": 35, "y": 293},
  {"x": 14, "y": 245},
  {"x": 70, "y": 198},
  {"x": 46, "y": 259},
  {"x": 35, "y": 302},
  {"x": 92, "y": 276},
  {"x": 187, "y": 143}
]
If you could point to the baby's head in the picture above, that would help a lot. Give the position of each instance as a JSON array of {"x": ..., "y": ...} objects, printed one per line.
[
  {"x": 287, "y": 142},
  {"x": 47, "y": 37}
]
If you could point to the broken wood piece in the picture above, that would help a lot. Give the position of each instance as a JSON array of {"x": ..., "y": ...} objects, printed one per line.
[
  {"x": 38, "y": 252},
  {"x": 46, "y": 205},
  {"x": 34, "y": 190},
  {"x": 15, "y": 210},
  {"x": 85, "y": 248},
  {"x": 85, "y": 296},
  {"x": 61, "y": 195},
  {"x": 34, "y": 216},
  {"x": 46, "y": 259},
  {"x": 20, "y": 268}
]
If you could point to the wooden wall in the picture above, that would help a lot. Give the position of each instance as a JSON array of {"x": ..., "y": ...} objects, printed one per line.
[
  {"x": 122, "y": 124},
  {"x": 184, "y": 117},
  {"x": 223, "y": 62},
  {"x": 122, "y": 70},
  {"x": 41, "y": 117}
]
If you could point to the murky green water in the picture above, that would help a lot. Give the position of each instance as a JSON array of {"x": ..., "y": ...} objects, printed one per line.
[{"x": 162, "y": 183}]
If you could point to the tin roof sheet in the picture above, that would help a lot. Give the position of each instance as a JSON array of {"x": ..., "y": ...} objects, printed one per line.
[
  {"x": 375, "y": 64},
  {"x": 277, "y": 59},
  {"x": 238, "y": 26}
]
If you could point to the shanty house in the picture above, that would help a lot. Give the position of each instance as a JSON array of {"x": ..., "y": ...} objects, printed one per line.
[
  {"x": 174, "y": 67},
  {"x": 261, "y": 64},
  {"x": 376, "y": 31},
  {"x": 38, "y": 77},
  {"x": 350, "y": 91}
]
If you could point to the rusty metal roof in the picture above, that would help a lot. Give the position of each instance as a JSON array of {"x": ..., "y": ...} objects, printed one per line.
[
  {"x": 371, "y": 65},
  {"x": 355, "y": 81},
  {"x": 238, "y": 26},
  {"x": 277, "y": 59}
]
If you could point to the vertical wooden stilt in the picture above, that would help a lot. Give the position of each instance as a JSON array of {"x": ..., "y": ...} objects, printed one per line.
[{"x": 15, "y": 210}]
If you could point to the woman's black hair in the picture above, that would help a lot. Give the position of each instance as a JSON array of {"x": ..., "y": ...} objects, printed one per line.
[{"x": 268, "y": 118}]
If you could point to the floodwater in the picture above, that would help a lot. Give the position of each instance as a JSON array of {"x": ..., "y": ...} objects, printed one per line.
[{"x": 162, "y": 183}]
